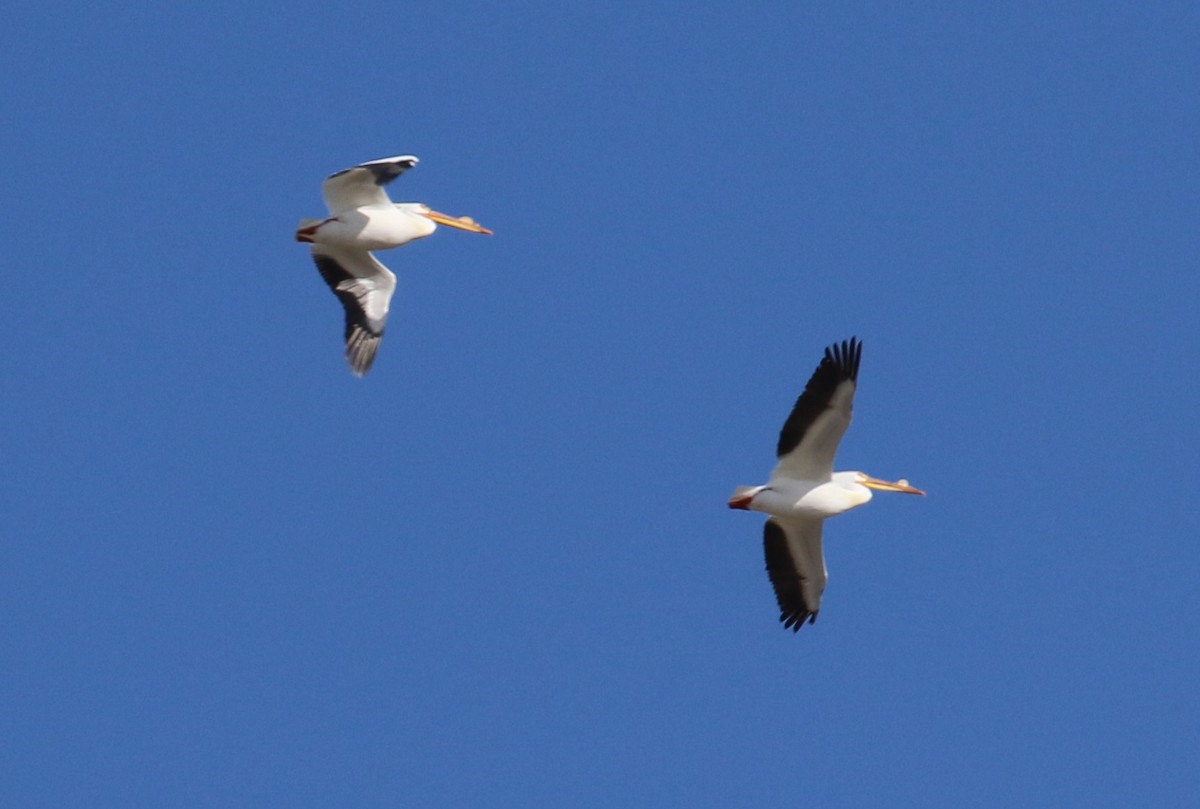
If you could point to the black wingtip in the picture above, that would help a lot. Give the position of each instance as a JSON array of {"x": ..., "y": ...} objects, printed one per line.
[
  {"x": 384, "y": 173},
  {"x": 384, "y": 169},
  {"x": 795, "y": 620},
  {"x": 844, "y": 358}
]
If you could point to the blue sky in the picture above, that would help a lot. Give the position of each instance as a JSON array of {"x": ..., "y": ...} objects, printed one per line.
[{"x": 499, "y": 571}]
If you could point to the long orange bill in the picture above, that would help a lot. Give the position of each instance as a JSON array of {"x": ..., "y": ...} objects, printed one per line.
[
  {"x": 889, "y": 486},
  {"x": 460, "y": 222}
]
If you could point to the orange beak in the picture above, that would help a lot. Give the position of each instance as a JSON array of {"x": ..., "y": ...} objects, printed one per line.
[
  {"x": 888, "y": 486},
  {"x": 460, "y": 222}
]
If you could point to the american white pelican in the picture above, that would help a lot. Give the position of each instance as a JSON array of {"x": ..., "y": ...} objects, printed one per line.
[
  {"x": 362, "y": 219},
  {"x": 804, "y": 490}
]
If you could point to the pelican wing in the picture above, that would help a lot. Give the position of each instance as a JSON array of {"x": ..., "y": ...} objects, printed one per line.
[
  {"x": 796, "y": 565},
  {"x": 363, "y": 185},
  {"x": 365, "y": 287},
  {"x": 810, "y": 436}
]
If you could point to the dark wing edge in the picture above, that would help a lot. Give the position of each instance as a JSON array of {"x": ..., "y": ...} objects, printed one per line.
[
  {"x": 363, "y": 333},
  {"x": 787, "y": 578},
  {"x": 383, "y": 170},
  {"x": 840, "y": 364}
]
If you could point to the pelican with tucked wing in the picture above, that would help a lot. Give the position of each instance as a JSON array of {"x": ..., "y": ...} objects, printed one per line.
[{"x": 804, "y": 491}]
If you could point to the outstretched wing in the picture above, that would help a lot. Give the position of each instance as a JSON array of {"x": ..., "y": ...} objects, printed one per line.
[
  {"x": 810, "y": 436},
  {"x": 365, "y": 287},
  {"x": 796, "y": 565},
  {"x": 363, "y": 184}
]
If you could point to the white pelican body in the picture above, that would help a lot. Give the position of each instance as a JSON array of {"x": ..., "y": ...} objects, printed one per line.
[
  {"x": 362, "y": 219},
  {"x": 804, "y": 490},
  {"x": 375, "y": 227},
  {"x": 785, "y": 497}
]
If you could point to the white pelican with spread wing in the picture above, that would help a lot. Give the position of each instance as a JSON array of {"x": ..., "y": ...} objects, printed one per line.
[
  {"x": 362, "y": 218},
  {"x": 804, "y": 490}
]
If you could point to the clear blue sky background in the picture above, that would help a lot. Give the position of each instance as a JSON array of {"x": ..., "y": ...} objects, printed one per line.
[{"x": 499, "y": 571}]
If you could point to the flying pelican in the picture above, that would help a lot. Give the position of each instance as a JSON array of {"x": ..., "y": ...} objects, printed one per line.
[
  {"x": 804, "y": 490},
  {"x": 362, "y": 219}
]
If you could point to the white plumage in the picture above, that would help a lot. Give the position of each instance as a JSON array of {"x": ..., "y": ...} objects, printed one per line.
[
  {"x": 361, "y": 219},
  {"x": 804, "y": 491}
]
